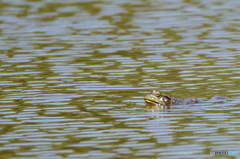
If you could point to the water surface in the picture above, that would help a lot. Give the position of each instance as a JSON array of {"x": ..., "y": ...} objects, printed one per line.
[{"x": 74, "y": 74}]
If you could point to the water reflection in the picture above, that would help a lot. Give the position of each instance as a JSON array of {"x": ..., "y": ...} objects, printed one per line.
[{"x": 74, "y": 74}]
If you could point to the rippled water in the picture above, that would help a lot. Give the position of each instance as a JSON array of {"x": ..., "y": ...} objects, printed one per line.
[{"x": 74, "y": 74}]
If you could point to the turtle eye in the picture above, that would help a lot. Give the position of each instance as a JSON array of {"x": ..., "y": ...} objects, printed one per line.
[{"x": 157, "y": 94}]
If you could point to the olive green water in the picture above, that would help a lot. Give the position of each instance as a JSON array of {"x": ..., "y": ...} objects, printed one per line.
[{"x": 74, "y": 74}]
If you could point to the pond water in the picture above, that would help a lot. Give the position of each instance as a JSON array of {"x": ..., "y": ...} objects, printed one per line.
[{"x": 74, "y": 74}]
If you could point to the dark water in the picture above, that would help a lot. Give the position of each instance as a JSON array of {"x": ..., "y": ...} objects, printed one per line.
[{"x": 74, "y": 74}]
